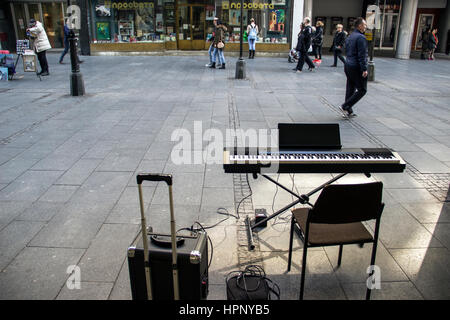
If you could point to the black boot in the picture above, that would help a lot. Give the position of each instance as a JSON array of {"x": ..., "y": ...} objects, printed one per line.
[
  {"x": 253, "y": 54},
  {"x": 249, "y": 54},
  {"x": 222, "y": 66},
  {"x": 213, "y": 65}
]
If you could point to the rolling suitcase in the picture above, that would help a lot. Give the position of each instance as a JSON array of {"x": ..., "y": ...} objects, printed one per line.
[{"x": 166, "y": 267}]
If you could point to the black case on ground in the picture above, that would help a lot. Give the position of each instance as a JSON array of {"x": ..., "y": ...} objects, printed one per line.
[{"x": 192, "y": 261}]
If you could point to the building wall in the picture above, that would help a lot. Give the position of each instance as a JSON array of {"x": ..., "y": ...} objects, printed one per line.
[{"x": 333, "y": 8}]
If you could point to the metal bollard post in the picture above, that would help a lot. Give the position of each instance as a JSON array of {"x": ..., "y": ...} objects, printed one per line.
[{"x": 76, "y": 78}]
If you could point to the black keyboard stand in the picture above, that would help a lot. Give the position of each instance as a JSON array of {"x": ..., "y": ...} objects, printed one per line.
[{"x": 303, "y": 199}]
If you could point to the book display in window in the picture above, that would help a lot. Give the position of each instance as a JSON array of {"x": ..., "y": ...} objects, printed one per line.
[{"x": 126, "y": 30}]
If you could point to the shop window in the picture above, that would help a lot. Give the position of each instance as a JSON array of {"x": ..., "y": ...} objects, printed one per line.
[
  {"x": 271, "y": 16},
  {"x": 134, "y": 21}
]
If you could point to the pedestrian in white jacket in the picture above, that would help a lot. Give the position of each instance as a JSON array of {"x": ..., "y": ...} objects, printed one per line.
[{"x": 41, "y": 44}]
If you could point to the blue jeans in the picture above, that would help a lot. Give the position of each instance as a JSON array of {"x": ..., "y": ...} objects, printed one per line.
[
  {"x": 221, "y": 56},
  {"x": 210, "y": 53},
  {"x": 66, "y": 49},
  {"x": 251, "y": 44}
]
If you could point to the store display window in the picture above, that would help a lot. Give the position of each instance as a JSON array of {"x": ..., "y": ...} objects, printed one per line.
[
  {"x": 134, "y": 21},
  {"x": 271, "y": 16}
]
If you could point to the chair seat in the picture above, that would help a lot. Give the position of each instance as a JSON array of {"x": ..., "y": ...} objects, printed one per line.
[{"x": 321, "y": 234}]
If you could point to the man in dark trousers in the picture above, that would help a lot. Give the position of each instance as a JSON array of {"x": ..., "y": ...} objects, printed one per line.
[
  {"x": 66, "y": 45},
  {"x": 355, "y": 67},
  {"x": 303, "y": 44}
]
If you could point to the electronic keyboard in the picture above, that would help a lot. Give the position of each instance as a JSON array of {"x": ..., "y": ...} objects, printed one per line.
[{"x": 359, "y": 160}]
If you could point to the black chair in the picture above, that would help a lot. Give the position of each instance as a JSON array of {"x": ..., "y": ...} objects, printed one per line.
[{"x": 336, "y": 219}]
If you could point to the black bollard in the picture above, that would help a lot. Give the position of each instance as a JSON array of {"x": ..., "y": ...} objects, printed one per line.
[
  {"x": 240, "y": 64},
  {"x": 76, "y": 78}
]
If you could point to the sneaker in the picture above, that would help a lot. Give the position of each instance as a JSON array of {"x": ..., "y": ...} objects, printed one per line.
[
  {"x": 44, "y": 73},
  {"x": 298, "y": 71},
  {"x": 333, "y": 66},
  {"x": 208, "y": 65}
]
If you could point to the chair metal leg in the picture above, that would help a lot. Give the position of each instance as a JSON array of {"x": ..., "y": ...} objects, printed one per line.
[
  {"x": 291, "y": 239},
  {"x": 302, "y": 279},
  {"x": 372, "y": 262},
  {"x": 340, "y": 254}
]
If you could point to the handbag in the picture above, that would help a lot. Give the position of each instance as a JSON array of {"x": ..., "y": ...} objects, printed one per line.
[{"x": 220, "y": 44}]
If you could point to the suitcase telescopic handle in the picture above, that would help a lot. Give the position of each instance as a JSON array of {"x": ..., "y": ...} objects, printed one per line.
[{"x": 167, "y": 178}]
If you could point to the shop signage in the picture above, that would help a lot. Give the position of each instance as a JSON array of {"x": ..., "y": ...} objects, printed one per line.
[
  {"x": 252, "y": 5},
  {"x": 127, "y": 5}
]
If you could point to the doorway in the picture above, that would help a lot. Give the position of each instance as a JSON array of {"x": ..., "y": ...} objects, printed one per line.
[{"x": 191, "y": 27}]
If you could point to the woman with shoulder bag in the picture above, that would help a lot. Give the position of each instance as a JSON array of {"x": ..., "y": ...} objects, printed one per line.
[
  {"x": 252, "y": 31},
  {"x": 219, "y": 45}
]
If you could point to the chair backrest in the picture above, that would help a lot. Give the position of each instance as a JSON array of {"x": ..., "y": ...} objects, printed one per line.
[{"x": 348, "y": 203}]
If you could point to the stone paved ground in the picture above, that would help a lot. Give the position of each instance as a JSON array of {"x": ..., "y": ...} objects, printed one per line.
[{"x": 68, "y": 164}]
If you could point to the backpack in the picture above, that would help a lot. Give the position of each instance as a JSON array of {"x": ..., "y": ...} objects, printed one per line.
[{"x": 252, "y": 34}]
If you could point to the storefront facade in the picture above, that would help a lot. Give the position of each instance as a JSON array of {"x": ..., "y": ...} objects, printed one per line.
[
  {"x": 158, "y": 25},
  {"x": 50, "y": 13}
]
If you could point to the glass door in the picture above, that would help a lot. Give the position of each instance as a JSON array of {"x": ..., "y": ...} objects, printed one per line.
[
  {"x": 53, "y": 23},
  {"x": 191, "y": 27},
  {"x": 20, "y": 20},
  {"x": 198, "y": 19},
  {"x": 389, "y": 30},
  {"x": 425, "y": 23}
]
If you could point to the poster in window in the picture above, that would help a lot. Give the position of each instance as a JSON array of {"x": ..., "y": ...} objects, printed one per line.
[
  {"x": 277, "y": 20},
  {"x": 103, "y": 31},
  {"x": 235, "y": 17},
  {"x": 334, "y": 22},
  {"x": 159, "y": 22}
]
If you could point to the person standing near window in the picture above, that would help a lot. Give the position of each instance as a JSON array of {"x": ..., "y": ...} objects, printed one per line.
[
  {"x": 338, "y": 44},
  {"x": 41, "y": 44},
  {"x": 317, "y": 41},
  {"x": 432, "y": 43},
  {"x": 252, "y": 31}
]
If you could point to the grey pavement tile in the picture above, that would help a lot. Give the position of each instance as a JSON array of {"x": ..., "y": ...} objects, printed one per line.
[
  {"x": 398, "y": 143},
  {"x": 37, "y": 273},
  {"x": 397, "y": 180},
  {"x": 14, "y": 237},
  {"x": 437, "y": 150},
  {"x": 56, "y": 162},
  {"x": 356, "y": 260},
  {"x": 9, "y": 210},
  {"x": 41, "y": 211},
  {"x": 122, "y": 288},
  {"x": 29, "y": 186},
  {"x": 87, "y": 291},
  {"x": 107, "y": 252},
  {"x": 429, "y": 212},
  {"x": 427, "y": 269},
  {"x": 57, "y": 193},
  {"x": 411, "y": 195},
  {"x": 399, "y": 229},
  {"x": 441, "y": 231},
  {"x": 12, "y": 169},
  {"x": 398, "y": 290},
  {"x": 7, "y": 153},
  {"x": 220, "y": 197},
  {"x": 79, "y": 172},
  {"x": 102, "y": 186}
]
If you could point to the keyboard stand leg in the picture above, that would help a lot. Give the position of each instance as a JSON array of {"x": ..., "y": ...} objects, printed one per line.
[{"x": 304, "y": 198}]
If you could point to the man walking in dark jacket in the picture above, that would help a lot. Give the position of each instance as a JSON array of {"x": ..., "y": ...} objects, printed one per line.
[
  {"x": 303, "y": 44},
  {"x": 355, "y": 67}
]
